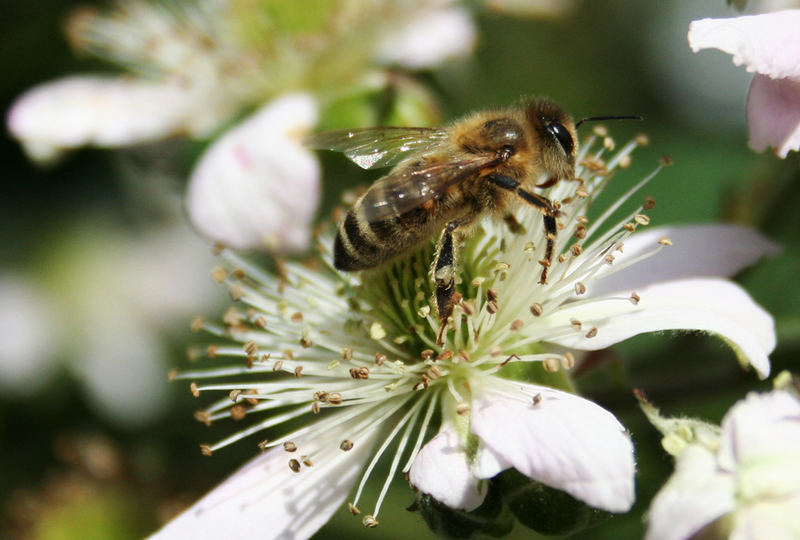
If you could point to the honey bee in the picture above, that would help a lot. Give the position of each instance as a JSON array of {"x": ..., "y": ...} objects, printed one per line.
[{"x": 445, "y": 179}]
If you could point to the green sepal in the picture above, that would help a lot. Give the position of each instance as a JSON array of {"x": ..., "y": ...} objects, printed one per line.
[
  {"x": 544, "y": 509},
  {"x": 491, "y": 519}
]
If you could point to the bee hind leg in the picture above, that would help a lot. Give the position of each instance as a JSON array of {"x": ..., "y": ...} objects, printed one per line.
[{"x": 544, "y": 205}]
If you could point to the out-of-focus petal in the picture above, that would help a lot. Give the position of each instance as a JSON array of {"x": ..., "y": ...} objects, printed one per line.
[
  {"x": 696, "y": 495},
  {"x": 696, "y": 251},
  {"x": 532, "y": 8},
  {"x": 563, "y": 441},
  {"x": 95, "y": 110},
  {"x": 441, "y": 470},
  {"x": 266, "y": 499},
  {"x": 711, "y": 305},
  {"x": 761, "y": 442},
  {"x": 765, "y": 44},
  {"x": 773, "y": 114},
  {"x": 770, "y": 519},
  {"x": 257, "y": 186},
  {"x": 28, "y": 336},
  {"x": 429, "y": 38}
]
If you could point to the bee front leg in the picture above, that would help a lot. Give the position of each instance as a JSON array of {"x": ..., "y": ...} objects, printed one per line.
[{"x": 542, "y": 204}]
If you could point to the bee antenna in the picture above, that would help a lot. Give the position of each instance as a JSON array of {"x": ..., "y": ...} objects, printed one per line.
[{"x": 620, "y": 117}]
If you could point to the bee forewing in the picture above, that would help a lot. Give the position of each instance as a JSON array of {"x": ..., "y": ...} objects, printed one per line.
[
  {"x": 371, "y": 148},
  {"x": 406, "y": 190}
]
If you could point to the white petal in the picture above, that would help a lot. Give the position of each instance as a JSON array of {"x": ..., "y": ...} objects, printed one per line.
[
  {"x": 696, "y": 251},
  {"x": 773, "y": 114},
  {"x": 266, "y": 499},
  {"x": 709, "y": 305},
  {"x": 429, "y": 38},
  {"x": 564, "y": 441},
  {"x": 775, "y": 519},
  {"x": 257, "y": 186},
  {"x": 765, "y": 44},
  {"x": 28, "y": 335},
  {"x": 94, "y": 110},
  {"x": 761, "y": 442},
  {"x": 695, "y": 495},
  {"x": 441, "y": 470}
]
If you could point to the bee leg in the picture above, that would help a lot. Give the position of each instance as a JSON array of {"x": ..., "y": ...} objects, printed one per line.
[
  {"x": 542, "y": 204},
  {"x": 444, "y": 273}
]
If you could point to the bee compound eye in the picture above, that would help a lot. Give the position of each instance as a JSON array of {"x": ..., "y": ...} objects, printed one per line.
[{"x": 562, "y": 136}]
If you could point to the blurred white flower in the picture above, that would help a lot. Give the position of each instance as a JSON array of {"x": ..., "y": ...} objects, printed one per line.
[
  {"x": 431, "y": 37},
  {"x": 28, "y": 336},
  {"x": 257, "y": 186},
  {"x": 766, "y": 45},
  {"x": 741, "y": 481},
  {"x": 348, "y": 367},
  {"x": 101, "y": 306}
]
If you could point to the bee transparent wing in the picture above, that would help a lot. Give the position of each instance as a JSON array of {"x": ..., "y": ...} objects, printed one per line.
[
  {"x": 371, "y": 148},
  {"x": 403, "y": 191}
]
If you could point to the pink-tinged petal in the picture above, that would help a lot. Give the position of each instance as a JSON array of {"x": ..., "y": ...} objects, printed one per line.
[
  {"x": 94, "y": 110},
  {"x": 563, "y": 441},
  {"x": 716, "y": 306},
  {"x": 696, "y": 495},
  {"x": 441, "y": 470},
  {"x": 773, "y": 114},
  {"x": 765, "y": 44},
  {"x": 257, "y": 186},
  {"x": 429, "y": 38},
  {"x": 696, "y": 251},
  {"x": 266, "y": 499}
]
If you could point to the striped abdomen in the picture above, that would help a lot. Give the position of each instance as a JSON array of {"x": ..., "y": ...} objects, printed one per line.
[{"x": 361, "y": 244}]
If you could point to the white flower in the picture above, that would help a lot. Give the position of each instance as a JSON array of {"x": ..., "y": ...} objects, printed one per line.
[
  {"x": 742, "y": 481},
  {"x": 257, "y": 186},
  {"x": 356, "y": 358},
  {"x": 767, "y": 45}
]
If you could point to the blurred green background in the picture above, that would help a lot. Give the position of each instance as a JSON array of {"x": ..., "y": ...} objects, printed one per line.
[{"x": 70, "y": 469}]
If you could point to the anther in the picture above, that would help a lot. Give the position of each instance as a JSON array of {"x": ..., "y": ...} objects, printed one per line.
[
  {"x": 641, "y": 219},
  {"x": 297, "y": 317},
  {"x": 462, "y": 408},
  {"x": 238, "y": 273},
  {"x": 315, "y": 407},
  {"x": 580, "y": 288},
  {"x": 625, "y": 162},
  {"x": 551, "y": 365},
  {"x": 335, "y": 398},
  {"x": 347, "y": 353},
  {"x": 289, "y": 446},
  {"x": 592, "y": 332},
  {"x": 219, "y": 275},
  {"x": 649, "y": 203},
  {"x": 263, "y": 445},
  {"x": 369, "y": 522},
  {"x": 445, "y": 355},
  {"x": 517, "y": 325},
  {"x": 236, "y": 292},
  {"x": 464, "y": 355},
  {"x": 205, "y": 450},
  {"x": 238, "y": 412},
  {"x": 211, "y": 351},
  {"x": 197, "y": 324},
  {"x": 491, "y": 295},
  {"x": 346, "y": 445},
  {"x": 234, "y": 395},
  {"x": 353, "y": 509},
  {"x": 568, "y": 360},
  {"x": 434, "y": 372},
  {"x": 575, "y": 324},
  {"x": 377, "y": 331},
  {"x": 536, "y": 309},
  {"x": 172, "y": 375},
  {"x": 630, "y": 227},
  {"x": 426, "y": 354},
  {"x": 537, "y": 399},
  {"x": 491, "y": 307},
  {"x": 294, "y": 465},
  {"x": 298, "y": 371},
  {"x": 260, "y": 322},
  {"x": 288, "y": 355},
  {"x": 635, "y": 298},
  {"x": 576, "y": 250},
  {"x": 580, "y": 232},
  {"x": 665, "y": 160},
  {"x": 380, "y": 359},
  {"x": 307, "y": 461},
  {"x": 277, "y": 365},
  {"x": 251, "y": 348},
  {"x": 194, "y": 390},
  {"x": 665, "y": 241},
  {"x": 642, "y": 139},
  {"x": 203, "y": 416}
]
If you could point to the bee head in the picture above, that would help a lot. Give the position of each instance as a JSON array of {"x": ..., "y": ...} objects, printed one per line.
[{"x": 557, "y": 138}]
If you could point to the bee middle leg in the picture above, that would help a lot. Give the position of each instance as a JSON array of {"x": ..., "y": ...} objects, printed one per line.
[
  {"x": 444, "y": 271},
  {"x": 542, "y": 204}
]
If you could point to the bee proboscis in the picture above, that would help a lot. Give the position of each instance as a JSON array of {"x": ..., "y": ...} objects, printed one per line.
[{"x": 445, "y": 179}]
